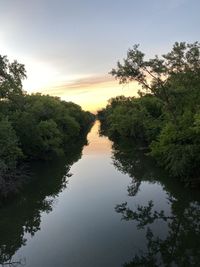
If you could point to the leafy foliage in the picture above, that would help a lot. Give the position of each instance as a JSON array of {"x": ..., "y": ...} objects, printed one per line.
[
  {"x": 33, "y": 126},
  {"x": 10, "y": 154},
  {"x": 165, "y": 116},
  {"x": 11, "y": 76},
  {"x": 138, "y": 118}
]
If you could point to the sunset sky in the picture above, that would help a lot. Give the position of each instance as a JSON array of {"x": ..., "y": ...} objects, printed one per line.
[{"x": 69, "y": 46}]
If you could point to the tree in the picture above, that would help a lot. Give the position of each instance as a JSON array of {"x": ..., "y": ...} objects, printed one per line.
[
  {"x": 153, "y": 74},
  {"x": 160, "y": 76},
  {"x": 10, "y": 153},
  {"x": 166, "y": 113},
  {"x": 11, "y": 76},
  {"x": 9, "y": 149},
  {"x": 35, "y": 127},
  {"x": 49, "y": 138}
]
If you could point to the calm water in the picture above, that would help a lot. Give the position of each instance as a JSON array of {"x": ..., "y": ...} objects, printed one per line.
[{"x": 105, "y": 206}]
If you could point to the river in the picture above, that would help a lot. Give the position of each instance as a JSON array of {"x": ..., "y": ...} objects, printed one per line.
[{"x": 104, "y": 206}]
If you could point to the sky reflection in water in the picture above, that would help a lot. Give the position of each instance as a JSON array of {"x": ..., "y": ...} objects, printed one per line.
[{"x": 92, "y": 218}]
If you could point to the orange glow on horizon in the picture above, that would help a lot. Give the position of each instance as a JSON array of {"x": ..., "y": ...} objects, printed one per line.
[{"x": 91, "y": 93}]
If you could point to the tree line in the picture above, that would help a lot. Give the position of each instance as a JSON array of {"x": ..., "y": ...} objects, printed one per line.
[
  {"x": 33, "y": 127},
  {"x": 165, "y": 118}
]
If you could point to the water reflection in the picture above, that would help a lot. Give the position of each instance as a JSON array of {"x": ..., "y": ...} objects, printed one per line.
[
  {"x": 23, "y": 215},
  {"x": 172, "y": 234},
  {"x": 160, "y": 218},
  {"x": 97, "y": 146}
]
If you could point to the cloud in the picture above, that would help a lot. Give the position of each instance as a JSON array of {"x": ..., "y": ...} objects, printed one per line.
[
  {"x": 81, "y": 86},
  {"x": 91, "y": 92}
]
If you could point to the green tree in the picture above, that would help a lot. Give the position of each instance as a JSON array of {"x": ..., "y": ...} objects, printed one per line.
[
  {"x": 35, "y": 126},
  {"x": 10, "y": 153},
  {"x": 11, "y": 76},
  {"x": 49, "y": 138},
  {"x": 168, "y": 77},
  {"x": 9, "y": 149},
  {"x": 166, "y": 113}
]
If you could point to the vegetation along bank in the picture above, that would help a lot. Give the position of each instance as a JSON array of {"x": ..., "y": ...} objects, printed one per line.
[
  {"x": 33, "y": 127},
  {"x": 165, "y": 118}
]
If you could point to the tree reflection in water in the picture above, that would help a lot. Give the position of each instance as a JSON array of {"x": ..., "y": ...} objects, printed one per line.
[
  {"x": 179, "y": 245},
  {"x": 23, "y": 214}
]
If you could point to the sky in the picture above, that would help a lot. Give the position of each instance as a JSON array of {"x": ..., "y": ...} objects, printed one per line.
[{"x": 69, "y": 46}]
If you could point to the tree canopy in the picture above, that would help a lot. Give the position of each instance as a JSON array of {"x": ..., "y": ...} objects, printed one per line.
[
  {"x": 33, "y": 127},
  {"x": 11, "y": 76},
  {"x": 165, "y": 116}
]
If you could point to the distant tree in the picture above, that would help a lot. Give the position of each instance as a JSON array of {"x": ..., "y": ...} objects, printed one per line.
[{"x": 11, "y": 76}]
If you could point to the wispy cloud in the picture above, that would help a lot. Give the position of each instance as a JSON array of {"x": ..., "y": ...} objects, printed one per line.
[
  {"x": 81, "y": 86},
  {"x": 92, "y": 93}
]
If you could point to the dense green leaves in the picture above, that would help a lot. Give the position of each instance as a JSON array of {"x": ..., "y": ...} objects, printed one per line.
[
  {"x": 9, "y": 150},
  {"x": 34, "y": 126},
  {"x": 11, "y": 76},
  {"x": 10, "y": 154},
  {"x": 166, "y": 115},
  {"x": 138, "y": 118},
  {"x": 44, "y": 124}
]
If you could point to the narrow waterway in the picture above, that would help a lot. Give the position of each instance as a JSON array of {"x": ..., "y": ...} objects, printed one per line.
[{"x": 88, "y": 215}]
